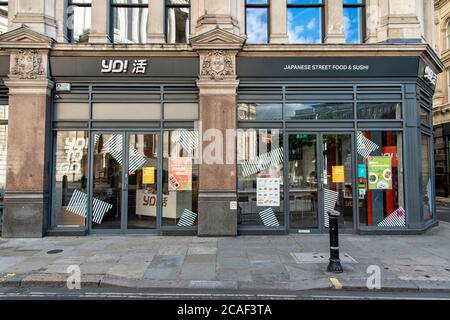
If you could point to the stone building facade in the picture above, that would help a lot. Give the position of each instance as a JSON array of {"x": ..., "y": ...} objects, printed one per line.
[{"x": 217, "y": 117}]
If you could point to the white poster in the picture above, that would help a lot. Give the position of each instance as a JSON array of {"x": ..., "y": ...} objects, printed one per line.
[
  {"x": 268, "y": 192},
  {"x": 146, "y": 204}
]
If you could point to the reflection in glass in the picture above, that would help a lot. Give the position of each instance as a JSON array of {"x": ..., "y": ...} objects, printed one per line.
[
  {"x": 130, "y": 24},
  {"x": 256, "y": 24},
  {"x": 259, "y": 111},
  {"x": 303, "y": 184},
  {"x": 264, "y": 147},
  {"x": 380, "y": 192},
  {"x": 107, "y": 181},
  {"x": 304, "y": 24},
  {"x": 177, "y": 22},
  {"x": 383, "y": 110},
  {"x": 79, "y": 20},
  {"x": 427, "y": 188},
  {"x": 142, "y": 181},
  {"x": 353, "y": 14},
  {"x": 69, "y": 206},
  {"x": 180, "y": 178},
  {"x": 3, "y": 16},
  {"x": 319, "y": 111}
]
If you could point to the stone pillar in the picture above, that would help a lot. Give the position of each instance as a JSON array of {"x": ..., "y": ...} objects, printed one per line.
[
  {"x": 278, "y": 22},
  {"x": 26, "y": 196},
  {"x": 156, "y": 23},
  {"x": 372, "y": 21},
  {"x": 334, "y": 22},
  {"x": 100, "y": 22},
  {"x": 217, "y": 85},
  {"x": 222, "y": 14}
]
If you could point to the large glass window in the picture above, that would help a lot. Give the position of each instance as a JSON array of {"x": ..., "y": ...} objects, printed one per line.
[
  {"x": 260, "y": 178},
  {"x": 382, "y": 110},
  {"x": 3, "y": 153},
  {"x": 78, "y": 20},
  {"x": 256, "y": 21},
  {"x": 259, "y": 111},
  {"x": 353, "y": 21},
  {"x": 69, "y": 200},
  {"x": 180, "y": 178},
  {"x": 305, "y": 21},
  {"x": 427, "y": 186},
  {"x": 380, "y": 179},
  {"x": 130, "y": 19},
  {"x": 177, "y": 21},
  {"x": 3, "y": 16},
  {"x": 319, "y": 111}
]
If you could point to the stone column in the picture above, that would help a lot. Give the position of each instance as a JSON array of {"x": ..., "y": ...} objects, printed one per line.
[
  {"x": 156, "y": 22},
  {"x": 100, "y": 22},
  {"x": 278, "y": 22},
  {"x": 334, "y": 21},
  {"x": 26, "y": 196}
]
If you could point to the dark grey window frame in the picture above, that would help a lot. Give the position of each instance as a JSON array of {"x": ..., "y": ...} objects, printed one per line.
[
  {"x": 363, "y": 22},
  {"x": 321, "y": 6},
  {"x": 69, "y": 4},
  {"x": 259, "y": 6},
  {"x": 168, "y": 6},
  {"x": 112, "y": 17}
]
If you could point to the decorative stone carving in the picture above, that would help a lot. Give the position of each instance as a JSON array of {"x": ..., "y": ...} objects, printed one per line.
[
  {"x": 28, "y": 65},
  {"x": 217, "y": 65}
]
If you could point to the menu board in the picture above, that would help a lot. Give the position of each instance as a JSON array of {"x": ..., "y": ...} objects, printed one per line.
[
  {"x": 180, "y": 174},
  {"x": 380, "y": 173},
  {"x": 268, "y": 192}
]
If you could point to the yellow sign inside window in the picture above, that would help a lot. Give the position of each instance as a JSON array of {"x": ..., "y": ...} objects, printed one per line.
[
  {"x": 338, "y": 175},
  {"x": 148, "y": 175}
]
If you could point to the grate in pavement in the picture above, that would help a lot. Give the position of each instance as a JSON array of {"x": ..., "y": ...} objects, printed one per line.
[
  {"x": 317, "y": 257},
  {"x": 55, "y": 251}
]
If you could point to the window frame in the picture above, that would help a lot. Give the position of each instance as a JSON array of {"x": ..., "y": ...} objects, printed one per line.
[
  {"x": 69, "y": 32},
  {"x": 321, "y": 6},
  {"x": 258, "y": 6},
  {"x": 363, "y": 24},
  {"x": 167, "y": 6},
  {"x": 113, "y": 5},
  {"x": 4, "y": 122}
]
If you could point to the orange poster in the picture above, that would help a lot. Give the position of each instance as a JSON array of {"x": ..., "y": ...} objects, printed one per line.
[
  {"x": 180, "y": 174},
  {"x": 338, "y": 175}
]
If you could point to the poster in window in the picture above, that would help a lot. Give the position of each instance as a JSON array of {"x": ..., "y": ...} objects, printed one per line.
[
  {"x": 180, "y": 174},
  {"x": 337, "y": 173},
  {"x": 148, "y": 175},
  {"x": 380, "y": 173},
  {"x": 268, "y": 192}
]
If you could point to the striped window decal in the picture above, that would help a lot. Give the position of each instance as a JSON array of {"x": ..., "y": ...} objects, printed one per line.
[
  {"x": 262, "y": 162},
  {"x": 188, "y": 140},
  {"x": 78, "y": 205},
  {"x": 395, "y": 219},
  {"x": 114, "y": 147},
  {"x": 365, "y": 146},
  {"x": 330, "y": 200},
  {"x": 187, "y": 218},
  {"x": 269, "y": 218}
]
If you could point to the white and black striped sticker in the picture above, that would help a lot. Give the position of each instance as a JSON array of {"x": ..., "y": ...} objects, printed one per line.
[
  {"x": 262, "y": 162},
  {"x": 330, "y": 200},
  {"x": 114, "y": 147},
  {"x": 269, "y": 218},
  {"x": 395, "y": 219},
  {"x": 365, "y": 146},
  {"x": 188, "y": 140},
  {"x": 78, "y": 205},
  {"x": 187, "y": 218}
]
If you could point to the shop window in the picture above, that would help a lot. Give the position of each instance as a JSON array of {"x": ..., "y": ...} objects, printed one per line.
[
  {"x": 78, "y": 20},
  {"x": 69, "y": 192},
  {"x": 319, "y": 111},
  {"x": 257, "y": 21},
  {"x": 71, "y": 111},
  {"x": 3, "y": 153},
  {"x": 427, "y": 183},
  {"x": 425, "y": 116},
  {"x": 177, "y": 21},
  {"x": 3, "y": 16},
  {"x": 380, "y": 179},
  {"x": 305, "y": 21},
  {"x": 260, "y": 111},
  {"x": 353, "y": 21},
  {"x": 181, "y": 111},
  {"x": 383, "y": 110},
  {"x": 126, "y": 111},
  {"x": 129, "y": 19},
  {"x": 260, "y": 178},
  {"x": 180, "y": 178}
]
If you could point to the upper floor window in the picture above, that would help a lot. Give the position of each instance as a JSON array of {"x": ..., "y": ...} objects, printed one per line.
[
  {"x": 129, "y": 21},
  {"x": 177, "y": 23},
  {"x": 305, "y": 21},
  {"x": 448, "y": 34},
  {"x": 3, "y": 16},
  {"x": 256, "y": 21},
  {"x": 353, "y": 21},
  {"x": 78, "y": 20}
]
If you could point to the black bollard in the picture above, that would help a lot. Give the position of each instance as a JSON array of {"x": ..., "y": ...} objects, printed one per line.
[{"x": 335, "y": 262}]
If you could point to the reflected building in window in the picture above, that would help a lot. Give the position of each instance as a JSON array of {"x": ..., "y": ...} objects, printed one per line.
[
  {"x": 177, "y": 24},
  {"x": 3, "y": 16},
  {"x": 129, "y": 21}
]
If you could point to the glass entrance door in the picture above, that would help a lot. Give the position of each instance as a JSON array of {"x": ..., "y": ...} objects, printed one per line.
[
  {"x": 320, "y": 177},
  {"x": 125, "y": 184}
]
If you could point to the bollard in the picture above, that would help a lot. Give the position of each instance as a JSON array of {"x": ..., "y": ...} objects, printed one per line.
[{"x": 335, "y": 262}]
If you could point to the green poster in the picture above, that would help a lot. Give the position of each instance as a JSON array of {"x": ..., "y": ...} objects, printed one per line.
[{"x": 380, "y": 173}]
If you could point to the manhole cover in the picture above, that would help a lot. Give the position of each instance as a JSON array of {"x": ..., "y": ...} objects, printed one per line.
[
  {"x": 314, "y": 257},
  {"x": 55, "y": 251}
]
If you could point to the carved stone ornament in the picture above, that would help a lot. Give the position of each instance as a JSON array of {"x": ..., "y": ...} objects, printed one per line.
[
  {"x": 217, "y": 64},
  {"x": 28, "y": 65}
]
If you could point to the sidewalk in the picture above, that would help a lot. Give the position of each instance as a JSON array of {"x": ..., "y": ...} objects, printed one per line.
[
  {"x": 445, "y": 202},
  {"x": 293, "y": 262}
]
